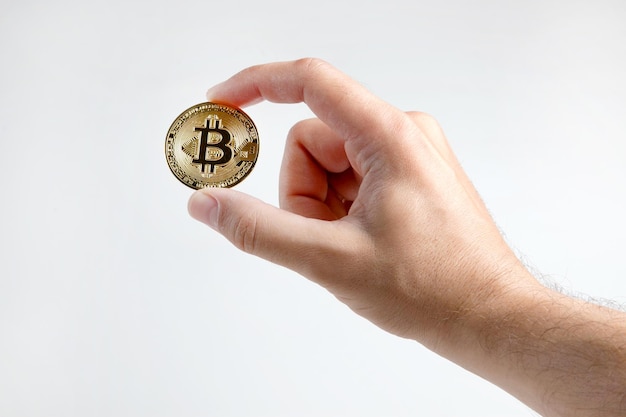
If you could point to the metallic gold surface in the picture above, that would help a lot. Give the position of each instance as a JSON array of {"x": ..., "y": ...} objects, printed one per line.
[{"x": 211, "y": 145}]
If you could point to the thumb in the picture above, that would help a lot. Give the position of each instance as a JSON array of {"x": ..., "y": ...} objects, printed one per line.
[{"x": 282, "y": 237}]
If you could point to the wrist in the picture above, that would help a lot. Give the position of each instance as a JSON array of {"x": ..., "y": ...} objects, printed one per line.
[
  {"x": 555, "y": 353},
  {"x": 473, "y": 328}
]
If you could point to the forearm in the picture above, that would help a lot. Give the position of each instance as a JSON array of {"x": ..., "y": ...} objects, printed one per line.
[{"x": 559, "y": 355}]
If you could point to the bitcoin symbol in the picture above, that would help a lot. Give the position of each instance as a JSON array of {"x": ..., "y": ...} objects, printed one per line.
[{"x": 214, "y": 148}]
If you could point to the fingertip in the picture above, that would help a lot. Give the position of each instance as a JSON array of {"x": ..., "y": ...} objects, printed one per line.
[
  {"x": 213, "y": 92},
  {"x": 226, "y": 93},
  {"x": 204, "y": 208}
]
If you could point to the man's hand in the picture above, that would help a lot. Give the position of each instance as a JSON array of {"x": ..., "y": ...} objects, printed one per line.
[
  {"x": 376, "y": 208},
  {"x": 408, "y": 238}
]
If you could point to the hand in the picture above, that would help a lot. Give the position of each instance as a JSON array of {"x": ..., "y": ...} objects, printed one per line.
[{"x": 376, "y": 208}]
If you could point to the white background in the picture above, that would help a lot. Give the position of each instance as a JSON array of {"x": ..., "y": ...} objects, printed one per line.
[{"x": 113, "y": 302}]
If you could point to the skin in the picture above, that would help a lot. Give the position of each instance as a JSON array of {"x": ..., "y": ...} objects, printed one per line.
[{"x": 375, "y": 207}]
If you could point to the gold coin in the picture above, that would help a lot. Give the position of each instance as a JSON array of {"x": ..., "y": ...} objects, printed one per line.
[{"x": 211, "y": 145}]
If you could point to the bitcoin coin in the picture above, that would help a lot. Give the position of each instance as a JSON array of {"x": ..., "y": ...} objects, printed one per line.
[{"x": 211, "y": 145}]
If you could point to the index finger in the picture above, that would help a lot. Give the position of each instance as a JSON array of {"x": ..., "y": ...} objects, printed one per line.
[{"x": 339, "y": 101}]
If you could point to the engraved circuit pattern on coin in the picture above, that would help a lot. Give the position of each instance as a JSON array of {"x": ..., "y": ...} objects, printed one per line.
[{"x": 211, "y": 145}]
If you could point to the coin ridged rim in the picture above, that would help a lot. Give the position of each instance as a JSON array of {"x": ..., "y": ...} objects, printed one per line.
[{"x": 180, "y": 120}]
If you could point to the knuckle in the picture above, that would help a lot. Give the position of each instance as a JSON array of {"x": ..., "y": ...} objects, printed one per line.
[
  {"x": 430, "y": 128},
  {"x": 423, "y": 119},
  {"x": 310, "y": 64},
  {"x": 245, "y": 233}
]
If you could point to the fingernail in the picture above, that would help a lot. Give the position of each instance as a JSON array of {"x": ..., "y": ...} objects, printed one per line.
[{"x": 203, "y": 208}]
